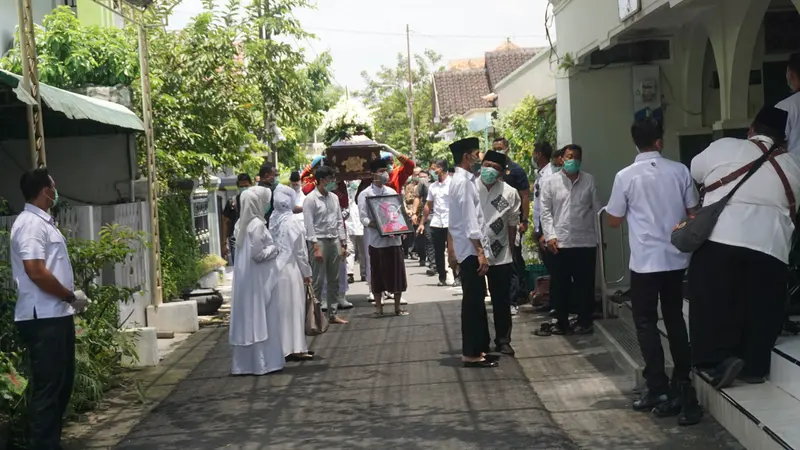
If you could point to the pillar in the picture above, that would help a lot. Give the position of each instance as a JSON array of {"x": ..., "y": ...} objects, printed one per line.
[{"x": 693, "y": 136}]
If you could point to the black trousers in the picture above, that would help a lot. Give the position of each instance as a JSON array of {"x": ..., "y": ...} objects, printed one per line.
[
  {"x": 646, "y": 289},
  {"x": 474, "y": 320},
  {"x": 736, "y": 307},
  {"x": 408, "y": 243},
  {"x": 519, "y": 280},
  {"x": 572, "y": 284},
  {"x": 439, "y": 247},
  {"x": 425, "y": 246},
  {"x": 51, "y": 351},
  {"x": 499, "y": 278}
]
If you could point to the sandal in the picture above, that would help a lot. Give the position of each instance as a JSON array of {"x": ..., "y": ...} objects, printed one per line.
[
  {"x": 545, "y": 330},
  {"x": 401, "y": 312},
  {"x": 379, "y": 314}
]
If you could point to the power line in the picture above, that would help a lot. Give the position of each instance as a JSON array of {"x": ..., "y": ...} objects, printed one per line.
[{"x": 433, "y": 36}]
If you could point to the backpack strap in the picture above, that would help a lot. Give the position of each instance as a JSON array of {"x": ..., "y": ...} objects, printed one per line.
[{"x": 782, "y": 175}]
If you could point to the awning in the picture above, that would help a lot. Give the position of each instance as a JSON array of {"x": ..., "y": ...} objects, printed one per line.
[{"x": 75, "y": 106}]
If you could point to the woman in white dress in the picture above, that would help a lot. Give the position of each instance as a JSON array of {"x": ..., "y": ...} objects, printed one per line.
[
  {"x": 294, "y": 273},
  {"x": 255, "y": 332}
]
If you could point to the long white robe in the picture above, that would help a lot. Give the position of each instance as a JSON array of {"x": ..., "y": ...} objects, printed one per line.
[{"x": 255, "y": 330}]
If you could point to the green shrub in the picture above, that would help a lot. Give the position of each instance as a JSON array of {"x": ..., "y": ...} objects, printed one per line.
[{"x": 180, "y": 252}]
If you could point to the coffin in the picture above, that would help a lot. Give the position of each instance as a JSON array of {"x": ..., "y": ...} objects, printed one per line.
[{"x": 351, "y": 156}]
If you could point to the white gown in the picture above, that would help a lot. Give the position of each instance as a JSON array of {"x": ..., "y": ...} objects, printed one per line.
[
  {"x": 290, "y": 289},
  {"x": 255, "y": 330}
]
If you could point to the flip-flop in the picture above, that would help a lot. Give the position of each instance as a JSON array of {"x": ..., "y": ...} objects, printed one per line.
[
  {"x": 544, "y": 330},
  {"x": 401, "y": 313}
]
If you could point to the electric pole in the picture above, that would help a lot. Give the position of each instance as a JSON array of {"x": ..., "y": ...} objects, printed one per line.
[
  {"x": 410, "y": 95},
  {"x": 30, "y": 83},
  {"x": 269, "y": 120}
]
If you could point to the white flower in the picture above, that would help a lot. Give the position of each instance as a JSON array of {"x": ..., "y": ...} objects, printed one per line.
[{"x": 347, "y": 113}]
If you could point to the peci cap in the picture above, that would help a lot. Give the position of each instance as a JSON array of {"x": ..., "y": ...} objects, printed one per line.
[
  {"x": 458, "y": 148},
  {"x": 496, "y": 157}
]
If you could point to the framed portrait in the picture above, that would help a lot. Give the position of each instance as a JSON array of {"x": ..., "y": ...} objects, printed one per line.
[{"x": 389, "y": 215}]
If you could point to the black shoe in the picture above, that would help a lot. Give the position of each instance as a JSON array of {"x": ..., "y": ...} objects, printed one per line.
[
  {"x": 552, "y": 313},
  {"x": 726, "y": 373},
  {"x": 485, "y": 364},
  {"x": 430, "y": 272},
  {"x": 422, "y": 263},
  {"x": 350, "y": 279},
  {"x": 363, "y": 279},
  {"x": 649, "y": 400},
  {"x": 691, "y": 411},
  {"x": 505, "y": 349},
  {"x": 491, "y": 357},
  {"x": 672, "y": 407},
  {"x": 442, "y": 283}
]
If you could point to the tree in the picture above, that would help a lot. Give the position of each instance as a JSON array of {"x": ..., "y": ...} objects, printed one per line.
[
  {"x": 529, "y": 123},
  {"x": 386, "y": 93}
]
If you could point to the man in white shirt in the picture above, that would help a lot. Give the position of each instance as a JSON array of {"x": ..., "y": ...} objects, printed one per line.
[
  {"x": 437, "y": 208},
  {"x": 327, "y": 239},
  {"x": 737, "y": 279},
  {"x": 569, "y": 211},
  {"x": 792, "y": 104},
  {"x": 653, "y": 194},
  {"x": 355, "y": 233},
  {"x": 466, "y": 244},
  {"x": 386, "y": 263},
  {"x": 45, "y": 307},
  {"x": 548, "y": 162},
  {"x": 500, "y": 204}
]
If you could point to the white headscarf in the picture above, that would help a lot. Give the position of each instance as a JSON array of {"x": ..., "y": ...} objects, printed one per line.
[
  {"x": 253, "y": 205},
  {"x": 282, "y": 225}
]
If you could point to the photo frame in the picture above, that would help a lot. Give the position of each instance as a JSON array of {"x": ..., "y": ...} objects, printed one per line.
[{"x": 390, "y": 216}]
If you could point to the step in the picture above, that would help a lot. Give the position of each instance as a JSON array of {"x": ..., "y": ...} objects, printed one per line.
[{"x": 760, "y": 417}]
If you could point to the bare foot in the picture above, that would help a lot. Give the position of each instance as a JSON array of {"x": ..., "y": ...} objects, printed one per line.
[{"x": 338, "y": 320}]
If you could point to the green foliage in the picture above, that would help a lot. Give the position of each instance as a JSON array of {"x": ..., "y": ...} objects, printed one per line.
[
  {"x": 210, "y": 263},
  {"x": 180, "y": 252},
  {"x": 531, "y": 121},
  {"x": 99, "y": 343},
  {"x": 387, "y": 95},
  {"x": 72, "y": 55}
]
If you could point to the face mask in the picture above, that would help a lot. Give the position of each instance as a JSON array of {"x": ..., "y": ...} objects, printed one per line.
[
  {"x": 489, "y": 175},
  {"x": 269, "y": 208},
  {"x": 383, "y": 177},
  {"x": 242, "y": 189},
  {"x": 389, "y": 169},
  {"x": 296, "y": 187},
  {"x": 414, "y": 179},
  {"x": 433, "y": 175},
  {"x": 572, "y": 166},
  {"x": 330, "y": 186},
  {"x": 556, "y": 169},
  {"x": 54, "y": 199},
  {"x": 354, "y": 185}
]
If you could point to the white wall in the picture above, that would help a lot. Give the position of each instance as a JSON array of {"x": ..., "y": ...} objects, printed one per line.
[
  {"x": 86, "y": 168},
  {"x": 537, "y": 78},
  {"x": 9, "y": 19}
]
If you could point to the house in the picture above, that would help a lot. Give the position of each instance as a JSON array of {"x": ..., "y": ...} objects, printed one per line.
[
  {"x": 536, "y": 78},
  {"x": 467, "y": 87},
  {"x": 703, "y": 67}
]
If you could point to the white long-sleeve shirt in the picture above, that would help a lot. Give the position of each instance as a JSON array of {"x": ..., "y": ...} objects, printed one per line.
[
  {"x": 500, "y": 205},
  {"x": 537, "y": 193},
  {"x": 466, "y": 217},
  {"x": 371, "y": 236},
  {"x": 569, "y": 210},
  {"x": 792, "y": 106},
  {"x": 323, "y": 217}
]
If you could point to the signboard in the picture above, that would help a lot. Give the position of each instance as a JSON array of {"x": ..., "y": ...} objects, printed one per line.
[{"x": 627, "y": 8}]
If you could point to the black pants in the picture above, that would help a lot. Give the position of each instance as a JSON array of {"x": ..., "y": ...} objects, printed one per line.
[
  {"x": 439, "y": 248},
  {"x": 736, "y": 306},
  {"x": 499, "y": 278},
  {"x": 408, "y": 243},
  {"x": 646, "y": 288},
  {"x": 424, "y": 245},
  {"x": 51, "y": 352},
  {"x": 474, "y": 321},
  {"x": 572, "y": 284},
  {"x": 518, "y": 281}
]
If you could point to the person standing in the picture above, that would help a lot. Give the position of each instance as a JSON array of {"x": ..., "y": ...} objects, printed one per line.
[
  {"x": 230, "y": 215},
  {"x": 326, "y": 238},
  {"x": 500, "y": 204},
  {"x": 387, "y": 266},
  {"x": 548, "y": 162},
  {"x": 516, "y": 177},
  {"x": 437, "y": 207},
  {"x": 466, "y": 243},
  {"x": 409, "y": 195},
  {"x": 424, "y": 247},
  {"x": 569, "y": 211},
  {"x": 293, "y": 275},
  {"x": 255, "y": 331},
  {"x": 737, "y": 279},
  {"x": 355, "y": 234},
  {"x": 792, "y": 104},
  {"x": 653, "y": 194},
  {"x": 46, "y": 303}
]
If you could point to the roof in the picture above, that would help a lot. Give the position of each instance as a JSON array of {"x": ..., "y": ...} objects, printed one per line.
[
  {"x": 502, "y": 62},
  {"x": 60, "y": 104},
  {"x": 459, "y": 91}
]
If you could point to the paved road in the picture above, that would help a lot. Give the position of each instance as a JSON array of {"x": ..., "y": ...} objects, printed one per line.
[{"x": 398, "y": 383}]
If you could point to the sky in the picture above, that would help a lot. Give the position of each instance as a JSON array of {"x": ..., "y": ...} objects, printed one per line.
[{"x": 365, "y": 34}]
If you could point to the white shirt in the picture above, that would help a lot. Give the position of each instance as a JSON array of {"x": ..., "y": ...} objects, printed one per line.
[
  {"x": 537, "y": 194},
  {"x": 792, "y": 106},
  {"x": 323, "y": 217},
  {"x": 501, "y": 206},
  {"x": 653, "y": 194},
  {"x": 372, "y": 237},
  {"x": 299, "y": 200},
  {"x": 35, "y": 236},
  {"x": 466, "y": 216},
  {"x": 353, "y": 222},
  {"x": 439, "y": 194},
  {"x": 757, "y": 217},
  {"x": 569, "y": 210}
]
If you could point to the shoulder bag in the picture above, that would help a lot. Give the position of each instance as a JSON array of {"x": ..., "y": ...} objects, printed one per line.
[
  {"x": 694, "y": 230},
  {"x": 316, "y": 321}
]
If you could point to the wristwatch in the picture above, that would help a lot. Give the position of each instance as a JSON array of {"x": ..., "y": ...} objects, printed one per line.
[{"x": 70, "y": 298}]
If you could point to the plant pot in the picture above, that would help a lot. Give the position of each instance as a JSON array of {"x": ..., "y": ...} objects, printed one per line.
[
  {"x": 209, "y": 280},
  {"x": 208, "y": 301}
]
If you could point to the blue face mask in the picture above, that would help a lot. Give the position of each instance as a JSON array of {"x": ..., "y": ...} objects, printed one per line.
[{"x": 572, "y": 166}]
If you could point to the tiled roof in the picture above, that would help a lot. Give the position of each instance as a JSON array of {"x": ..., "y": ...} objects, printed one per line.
[
  {"x": 499, "y": 64},
  {"x": 459, "y": 91}
]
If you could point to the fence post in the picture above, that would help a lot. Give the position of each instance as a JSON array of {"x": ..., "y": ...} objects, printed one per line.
[
  {"x": 144, "y": 210},
  {"x": 215, "y": 246}
]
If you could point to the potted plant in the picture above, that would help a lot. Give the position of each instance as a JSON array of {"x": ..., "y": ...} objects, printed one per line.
[{"x": 210, "y": 268}]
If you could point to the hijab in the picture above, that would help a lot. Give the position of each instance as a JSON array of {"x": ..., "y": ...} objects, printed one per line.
[
  {"x": 253, "y": 206},
  {"x": 282, "y": 222}
]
